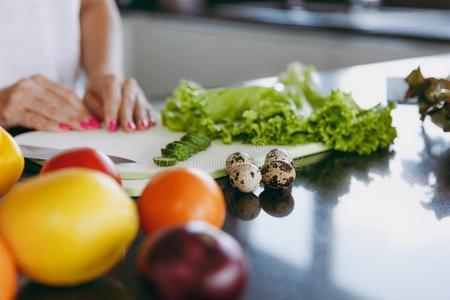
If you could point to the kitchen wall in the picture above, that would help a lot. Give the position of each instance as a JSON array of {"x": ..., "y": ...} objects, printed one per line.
[{"x": 161, "y": 50}]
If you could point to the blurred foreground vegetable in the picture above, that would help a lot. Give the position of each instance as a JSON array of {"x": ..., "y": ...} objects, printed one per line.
[
  {"x": 296, "y": 114},
  {"x": 11, "y": 162},
  {"x": 69, "y": 226},
  {"x": 105, "y": 288},
  {"x": 194, "y": 261},
  {"x": 8, "y": 274},
  {"x": 177, "y": 196},
  {"x": 433, "y": 95},
  {"x": 82, "y": 158}
]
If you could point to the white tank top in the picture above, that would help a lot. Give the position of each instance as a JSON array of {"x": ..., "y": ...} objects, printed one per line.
[{"x": 39, "y": 37}]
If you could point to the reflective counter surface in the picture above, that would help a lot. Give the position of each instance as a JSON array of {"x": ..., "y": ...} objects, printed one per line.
[{"x": 352, "y": 227}]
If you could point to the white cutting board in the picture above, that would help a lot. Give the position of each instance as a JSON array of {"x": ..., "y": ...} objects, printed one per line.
[{"x": 143, "y": 146}]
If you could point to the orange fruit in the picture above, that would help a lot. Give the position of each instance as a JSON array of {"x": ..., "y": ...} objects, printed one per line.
[
  {"x": 179, "y": 195},
  {"x": 8, "y": 274}
]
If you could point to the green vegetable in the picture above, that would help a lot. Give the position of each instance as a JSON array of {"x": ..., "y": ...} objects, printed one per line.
[
  {"x": 165, "y": 161},
  {"x": 189, "y": 145},
  {"x": 250, "y": 114},
  {"x": 202, "y": 142},
  {"x": 343, "y": 125},
  {"x": 190, "y": 148},
  {"x": 270, "y": 115},
  {"x": 178, "y": 150},
  {"x": 433, "y": 95}
]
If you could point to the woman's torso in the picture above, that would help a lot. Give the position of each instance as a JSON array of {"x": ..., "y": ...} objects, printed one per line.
[{"x": 39, "y": 37}]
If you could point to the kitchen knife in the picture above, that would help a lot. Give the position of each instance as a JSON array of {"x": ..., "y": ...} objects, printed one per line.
[{"x": 42, "y": 153}]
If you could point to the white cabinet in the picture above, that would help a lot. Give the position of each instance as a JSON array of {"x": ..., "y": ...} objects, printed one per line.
[{"x": 161, "y": 50}]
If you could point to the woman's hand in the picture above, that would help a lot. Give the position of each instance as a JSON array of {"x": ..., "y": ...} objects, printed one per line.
[
  {"x": 119, "y": 103},
  {"x": 39, "y": 103}
]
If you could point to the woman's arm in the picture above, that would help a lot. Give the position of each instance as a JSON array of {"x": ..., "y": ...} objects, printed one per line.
[
  {"x": 117, "y": 101},
  {"x": 101, "y": 38}
]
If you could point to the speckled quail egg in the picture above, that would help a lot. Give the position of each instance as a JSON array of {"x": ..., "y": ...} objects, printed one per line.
[
  {"x": 278, "y": 154},
  {"x": 278, "y": 174},
  {"x": 237, "y": 159},
  {"x": 245, "y": 177}
]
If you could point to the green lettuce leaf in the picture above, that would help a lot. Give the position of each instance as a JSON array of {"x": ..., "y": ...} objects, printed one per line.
[
  {"x": 270, "y": 116},
  {"x": 344, "y": 126},
  {"x": 298, "y": 81}
]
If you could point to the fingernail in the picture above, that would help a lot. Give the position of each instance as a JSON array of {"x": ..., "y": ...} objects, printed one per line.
[
  {"x": 143, "y": 124},
  {"x": 85, "y": 125},
  {"x": 112, "y": 126},
  {"x": 131, "y": 125},
  {"x": 152, "y": 121},
  {"x": 64, "y": 127},
  {"x": 94, "y": 123}
]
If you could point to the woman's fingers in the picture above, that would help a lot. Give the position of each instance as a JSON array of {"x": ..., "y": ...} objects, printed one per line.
[
  {"x": 94, "y": 105},
  {"x": 60, "y": 104},
  {"x": 54, "y": 108},
  {"x": 39, "y": 103},
  {"x": 119, "y": 102},
  {"x": 151, "y": 115},
  {"x": 149, "y": 109},
  {"x": 143, "y": 113},
  {"x": 54, "y": 90},
  {"x": 129, "y": 98},
  {"x": 34, "y": 120},
  {"x": 141, "y": 117},
  {"x": 111, "y": 95},
  {"x": 57, "y": 112}
]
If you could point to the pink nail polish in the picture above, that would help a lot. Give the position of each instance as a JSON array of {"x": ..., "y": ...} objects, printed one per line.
[
  {"x": 131, "y": 125},
  {"x": 112, "y": 126},
  {"x": 143, "y": 124},
  {"x": 64, "y": 127},
  {"x": 94, "y": 123},
  {"x": 85, "y": 125}
]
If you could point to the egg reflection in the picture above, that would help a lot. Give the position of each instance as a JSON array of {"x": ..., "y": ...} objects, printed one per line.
[
  {"x": 102, "y": 289},
  {"x": 244, "y": 206},
  {"x": 277, "y": 202}
]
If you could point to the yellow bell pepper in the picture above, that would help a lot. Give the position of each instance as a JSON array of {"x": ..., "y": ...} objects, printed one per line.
[{"x": 11, "y": 162}]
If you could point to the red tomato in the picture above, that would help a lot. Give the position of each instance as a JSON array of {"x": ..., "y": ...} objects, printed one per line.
[{"x": 82, "y": 158}]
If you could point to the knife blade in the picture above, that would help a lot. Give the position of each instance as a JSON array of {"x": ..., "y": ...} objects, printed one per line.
[{"x": 43, "y": 153}]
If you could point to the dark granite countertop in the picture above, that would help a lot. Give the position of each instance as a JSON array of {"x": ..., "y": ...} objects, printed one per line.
[
  {"x": 355, "y": 228},
  {"x": 416, "y": 24}
]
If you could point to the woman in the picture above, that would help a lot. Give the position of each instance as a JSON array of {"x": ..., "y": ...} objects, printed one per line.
[{"x": 44, "y": 44}]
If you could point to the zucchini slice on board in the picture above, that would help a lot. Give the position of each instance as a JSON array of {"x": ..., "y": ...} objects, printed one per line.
[
  {"x": 182, "y": 149},
  {"x": 201, "y": 141},
  {"x": 165, "y": 161}
]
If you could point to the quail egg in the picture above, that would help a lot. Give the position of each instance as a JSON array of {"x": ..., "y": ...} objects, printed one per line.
[
  {"x": 237, "y": 159},
  {"x": 278, "y": 154},
  {"x": 245, "y": 177},
  {"x": 278, "y": 174}
]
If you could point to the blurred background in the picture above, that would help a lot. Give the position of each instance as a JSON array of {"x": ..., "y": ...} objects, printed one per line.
[{"x": 218, "y": 42}]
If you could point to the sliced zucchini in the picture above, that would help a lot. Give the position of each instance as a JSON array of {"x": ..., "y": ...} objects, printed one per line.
[
  {"x": 165, "y": 161},
  {"x": 189, "y": 145},
  {"x": 176, "y": 150},
  {"x": 201, "y": 141}
]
